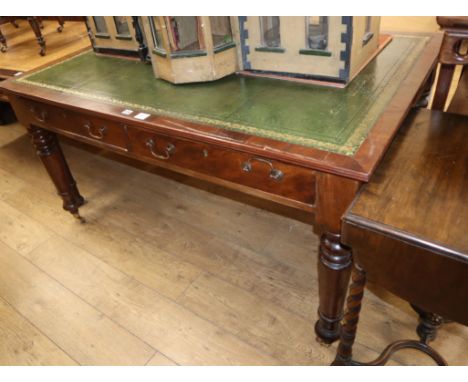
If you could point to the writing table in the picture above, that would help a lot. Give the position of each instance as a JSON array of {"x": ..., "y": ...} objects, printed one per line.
[{"x": 304, "y": 146}]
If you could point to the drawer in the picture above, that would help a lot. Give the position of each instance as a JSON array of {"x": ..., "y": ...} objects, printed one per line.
[
  {"x": 92, "y": 129},
  {"x": 274, "y": 177}
]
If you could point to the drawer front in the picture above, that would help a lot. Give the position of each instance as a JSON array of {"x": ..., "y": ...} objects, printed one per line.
[
  {"x": 289, "y": 181},
  {"x": 107, "y": 133}
]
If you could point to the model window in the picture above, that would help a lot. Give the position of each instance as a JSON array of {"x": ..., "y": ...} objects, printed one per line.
[
  {"x": 183, "y": 33},
  {"x": 121, "y": 25},
  {"x": 100, "y": 23},
  {"x": 270, "y": 31},
  {"x": 156, "y": 32},
  {"x": 317, "y": 32},
  {"x": 221, "y": 30}
]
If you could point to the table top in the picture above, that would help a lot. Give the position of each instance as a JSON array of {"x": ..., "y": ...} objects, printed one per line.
[
  {"x": 419, "y": 193},
  {"x": 345, "y": 131}
]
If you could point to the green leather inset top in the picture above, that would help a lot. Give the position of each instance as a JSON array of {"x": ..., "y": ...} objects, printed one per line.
[{"x": 333, "y": 119}]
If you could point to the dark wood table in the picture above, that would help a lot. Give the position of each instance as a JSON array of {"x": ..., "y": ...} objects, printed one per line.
[
  {"x": 408, "y": 229},
  {"x": 303, "y": 146}
]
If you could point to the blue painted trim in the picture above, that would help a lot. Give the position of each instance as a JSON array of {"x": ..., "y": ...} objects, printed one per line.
[
  {"x": 345, "y": 55},
  {"x": 244, "y": 35}
]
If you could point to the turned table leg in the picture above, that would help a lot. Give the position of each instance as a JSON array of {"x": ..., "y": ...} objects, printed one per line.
[
  {"x": 334, "y": 195},
  {"x": 61, "y": 22},
  {"x": 35, "y": 26},
  {"x": 51, "y": 155},
  {"x": 333, "y": 273},
  {"x": 3, "y": 43}
]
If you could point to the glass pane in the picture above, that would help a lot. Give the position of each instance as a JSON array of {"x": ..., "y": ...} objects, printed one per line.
[
  {"x": 317, "y": 32},
  {"x": 221, "y": 30},
  {"x": 270, "y": 31},
  {"x": 156, "y": 32},
  {"x": 100, "y": 23},
  {"x": 121, "y": 25},
  {"x": 183, "y": 33}
]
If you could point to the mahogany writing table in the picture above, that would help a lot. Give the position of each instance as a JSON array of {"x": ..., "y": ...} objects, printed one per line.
[{"x": 300, "y": 145}]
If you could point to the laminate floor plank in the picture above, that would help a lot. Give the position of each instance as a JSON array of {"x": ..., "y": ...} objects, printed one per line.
[
  {"x": 135, "y": 255},
  {"x": 9, "y": 184},
  {"x": 22, "y": 344},
  {"x": 262, "y": 324},
  {"x": 160, "y": 360},
  {"x": 19, "y": 231},
  {"x": 168, "y": 327},
  {"x": 87, "y": 335}
]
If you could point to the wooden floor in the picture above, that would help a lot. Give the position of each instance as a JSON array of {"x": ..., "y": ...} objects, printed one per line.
[
  {"x": 165, "y": 273},
  {"x": 23, "y": 49}
]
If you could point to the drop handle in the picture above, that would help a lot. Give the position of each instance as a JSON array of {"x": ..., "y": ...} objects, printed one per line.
[
  {"x": 40, "y": 115},
  {"x": 275, "y": 174},
  {"x": 97, "y": 134},
  {"x": 170, "y": 149}
]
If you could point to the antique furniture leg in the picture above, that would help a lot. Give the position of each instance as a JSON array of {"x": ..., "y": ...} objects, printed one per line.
[
  {"x": 3, "y": 43},
  {"x": 344, "y": 353},
  {"x": 51, "y": 155},
  {"x": 443, "y": 86},
  {"x": 429, "y": 323},
  {"x": 34, "y": 22},
  {"x": 142, "y": 48},
  {"x": 61, "y": 22},
  {"x": 334, "y": 264}
]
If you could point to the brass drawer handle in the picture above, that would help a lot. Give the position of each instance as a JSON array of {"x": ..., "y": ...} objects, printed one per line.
[
  {"x": 275, "y": 174},
  {"x": 100, "y": 132},
  {"x": 40, "y": 115},
  {"x": 170, "y": 149}
]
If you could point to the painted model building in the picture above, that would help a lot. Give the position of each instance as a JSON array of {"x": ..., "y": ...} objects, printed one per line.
[{"x": 184, "y": 49}]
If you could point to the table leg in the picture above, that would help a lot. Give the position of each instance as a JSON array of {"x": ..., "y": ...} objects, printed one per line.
[
  {"x": 3, "y": 43},
  {"x": 61, "y": 22},
  {"x": 51, "y": 155},
  {"x": 334, "y": 195},
  {"x": 35, "y": 26},
  {"x": 429, "y": 324},
  {"x": 443, "y": 86},
  {"x": 333, "y": 274}
]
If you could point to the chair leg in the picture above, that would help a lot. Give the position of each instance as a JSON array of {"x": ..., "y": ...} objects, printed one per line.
[
  {"x": 443, "y": 86},
  {"x": 3, "y": 43},
  {"x": 61, "y": 22},
  {"x": 344, "y": 353},
  {"x": 35, "y": 26}
]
